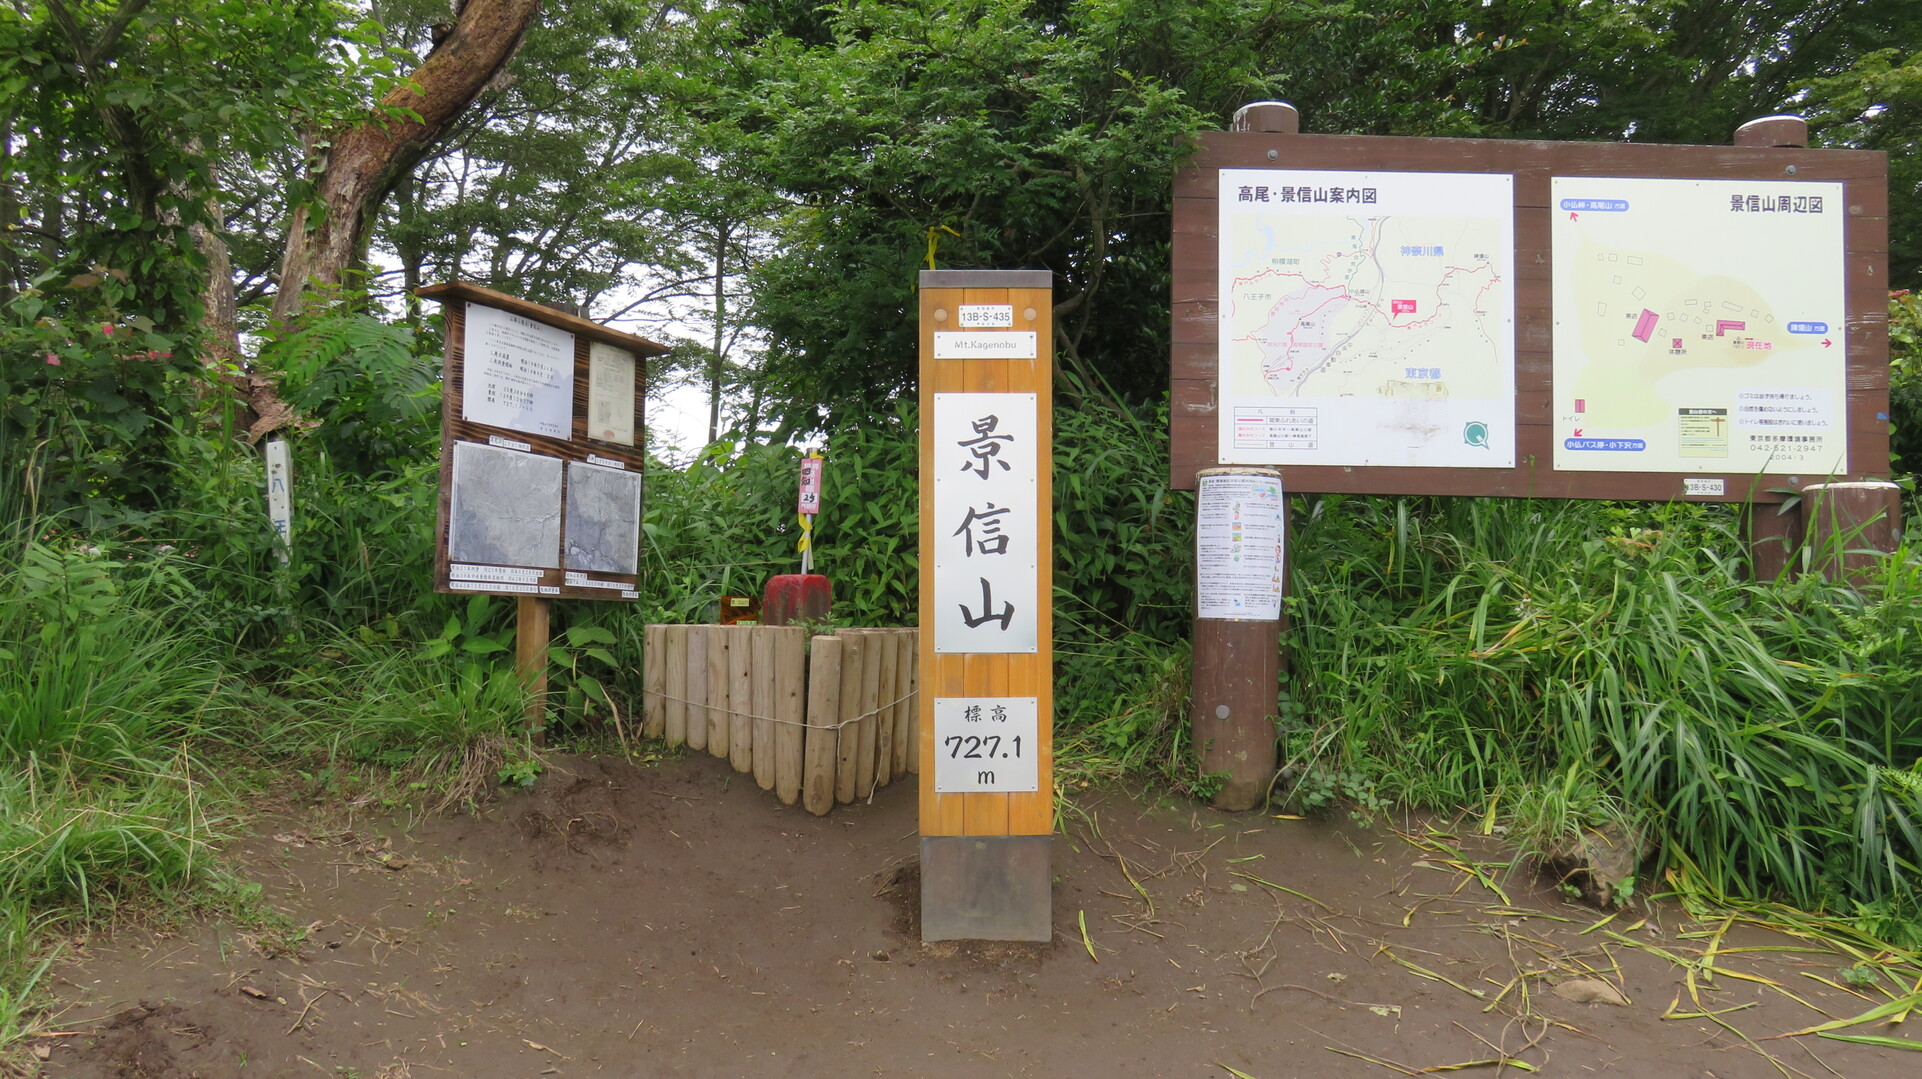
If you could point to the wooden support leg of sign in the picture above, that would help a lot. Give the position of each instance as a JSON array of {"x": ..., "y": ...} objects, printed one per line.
[
  {"x": 1774, "y": 538},
  {"x": 1237, "y": 668},
  {"x": 530, "y": 658},
  {"x": 985, "y": 725},
  {"x": 1241, "y": 534},
  {"x": 1852, "y": 527}
]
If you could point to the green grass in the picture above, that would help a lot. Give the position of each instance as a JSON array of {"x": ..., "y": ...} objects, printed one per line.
[
  {"x": 128, "y": 718},
  {"x": 1582, "y": 665},
  {"x": 444, "y": 726}
]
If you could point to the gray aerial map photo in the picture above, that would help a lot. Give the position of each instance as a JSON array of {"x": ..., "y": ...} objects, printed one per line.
[{"x": 505, "y": 509}]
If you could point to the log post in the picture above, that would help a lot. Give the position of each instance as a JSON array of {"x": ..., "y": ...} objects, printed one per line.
[
  {"x": 1268, "y": 117},
  {"x": 674, "y": 684},
  {"x": 821, "y": 745},
  {"x": 1240, "y": 533},
  {"x": 530, "y": 658},
  {"x": 790, "y": 709},
  {"x": 1774, "y": 534},
  {"x": 1852, "y": 527},
  {"x": 654, "y": 679},
  {"x": 1774, "y": 131}
]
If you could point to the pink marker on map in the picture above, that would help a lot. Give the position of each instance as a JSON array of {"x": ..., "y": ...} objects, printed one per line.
[{"x": 1645, "y": 326}]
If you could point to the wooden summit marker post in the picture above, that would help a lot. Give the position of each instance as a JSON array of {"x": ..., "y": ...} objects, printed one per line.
[{"x": 987, "y": 706}]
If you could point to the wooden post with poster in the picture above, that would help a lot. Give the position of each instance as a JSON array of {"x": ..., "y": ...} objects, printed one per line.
[
  {"x": 1241, "y": 525},
  {"x": 987, "y": 706},
  {"x": 541, "y": 460}
]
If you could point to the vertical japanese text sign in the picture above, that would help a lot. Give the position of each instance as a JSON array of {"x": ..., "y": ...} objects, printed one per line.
[{"x": 986, "y": 747}]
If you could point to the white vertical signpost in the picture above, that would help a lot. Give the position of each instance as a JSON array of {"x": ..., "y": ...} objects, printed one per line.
[
  {"x": 280, "y": 497},
  {"x": 986, "y": 549}
]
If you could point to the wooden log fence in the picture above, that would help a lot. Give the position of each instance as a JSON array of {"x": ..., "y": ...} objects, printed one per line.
[{"x": 819, "y": 721}]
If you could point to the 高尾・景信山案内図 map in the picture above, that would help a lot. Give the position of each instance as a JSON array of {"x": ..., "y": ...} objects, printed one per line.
[{"x": 1367, "y": 318}]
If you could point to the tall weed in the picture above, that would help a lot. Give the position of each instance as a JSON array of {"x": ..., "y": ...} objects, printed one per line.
[
  {"x": 91, "y": 668},
  {"x": 1482, "y": 652}
]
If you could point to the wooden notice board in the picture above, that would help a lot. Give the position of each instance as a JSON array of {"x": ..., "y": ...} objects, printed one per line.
[
  {"x": 1545, "y": 436},
  {"x": 540, "y": 479}
]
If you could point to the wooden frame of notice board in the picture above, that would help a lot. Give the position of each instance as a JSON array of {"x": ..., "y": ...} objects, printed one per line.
[
  {"x": 1539, "y": 427},
  {"x": 544, "y": 501}
]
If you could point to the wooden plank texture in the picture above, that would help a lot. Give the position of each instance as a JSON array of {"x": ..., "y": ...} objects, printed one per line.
[
  {"x": 674, "y": 709},
  {"x": 911, "y": 746},
  {"x": 889, "y": 675},
  {"x": 699, "y": 689},
  {"x": 790, "y": 709},
  {"x": 740, "y": 698},
  {"x": 719, "y": 723},
  {"x": 873, "y": 657},
  {"x": 819, "y": 747},
  {"x": 761, "y": 651},
  {"x": 653, "y": 682},
  {"x": 951, "y": 675},
  {"x": 847, "y": 751}
]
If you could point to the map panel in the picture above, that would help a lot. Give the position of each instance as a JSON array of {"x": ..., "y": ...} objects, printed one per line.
[
  {"x": 603, "y": 519},
  {"x": 1699, "y": 325},
  {"x": 505, "y": 508},
  {"x": 1367, "y": 318}
]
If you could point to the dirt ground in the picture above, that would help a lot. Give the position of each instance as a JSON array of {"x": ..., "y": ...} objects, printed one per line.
[{"x": 673, "y": 920}]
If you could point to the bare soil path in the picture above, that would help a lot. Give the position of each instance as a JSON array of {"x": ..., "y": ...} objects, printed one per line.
[{"x": 672, "y": 920}]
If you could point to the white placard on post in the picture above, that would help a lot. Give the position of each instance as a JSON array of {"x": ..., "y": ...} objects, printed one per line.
[
  {"x": 985, "y": 345},
  {"x": 1238, "y": 545},
  {"x": 986, "y": 316},
  {"x": 809, "y": 501},
  {"x": 986, "y": 744},
  {"x": 610, "y": 394},
  {"x": 280, "y": 496},
  {"x": 519, "y": 373},
  {"x": 987, "y": 523}
]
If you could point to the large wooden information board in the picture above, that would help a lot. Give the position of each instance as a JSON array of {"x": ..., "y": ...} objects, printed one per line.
[
  {"x": 541, "y": 450},
  {"x": 1381, "y": 315}
]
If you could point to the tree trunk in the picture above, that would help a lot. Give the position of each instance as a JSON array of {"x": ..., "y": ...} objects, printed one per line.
[
  {"x": 355, "y": 173},
  {"x": 220, "y": 311}
]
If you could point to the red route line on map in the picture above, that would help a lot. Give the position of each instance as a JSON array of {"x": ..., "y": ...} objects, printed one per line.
[{"x": 1340, "y": 293}]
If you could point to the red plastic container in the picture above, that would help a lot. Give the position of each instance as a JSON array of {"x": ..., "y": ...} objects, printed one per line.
[{"x": 792, "y": 598}]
